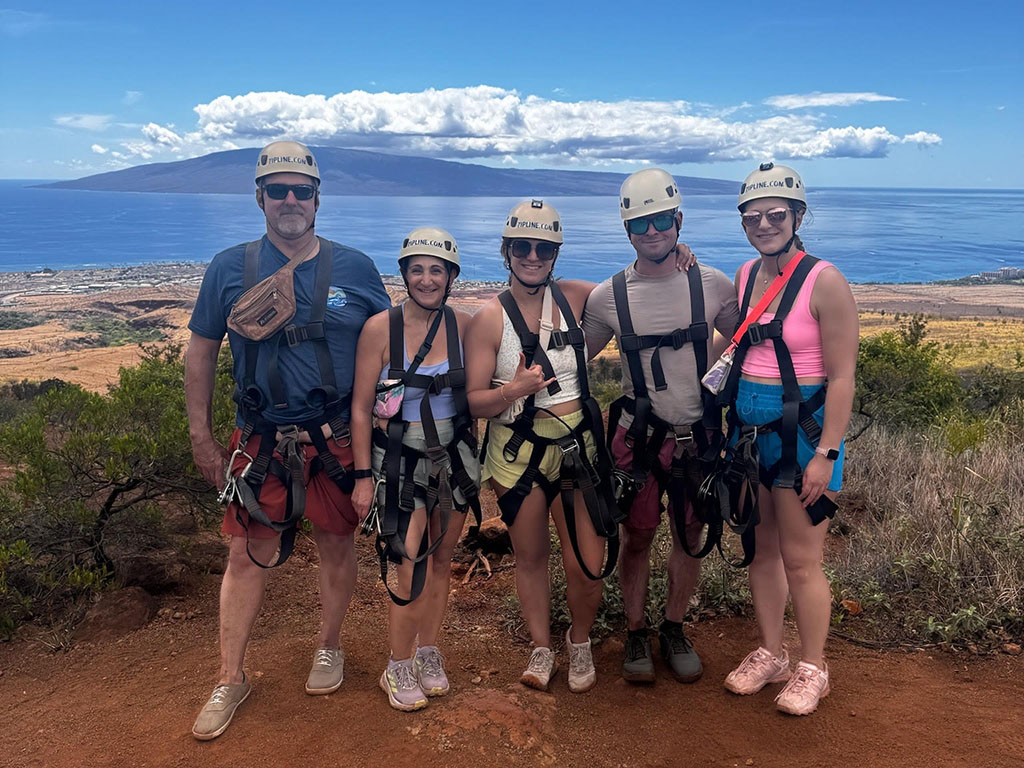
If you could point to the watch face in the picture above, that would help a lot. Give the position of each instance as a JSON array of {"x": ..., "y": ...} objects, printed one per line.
[{"x": 831, "y": 454}]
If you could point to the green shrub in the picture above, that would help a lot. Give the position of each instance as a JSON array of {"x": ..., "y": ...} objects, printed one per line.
[
  {"x": 90, "y": 475},
  {"x": 115, "y": 331},
  {"x": 16, "y": 321},
  {"x": 904, "y": 382}
]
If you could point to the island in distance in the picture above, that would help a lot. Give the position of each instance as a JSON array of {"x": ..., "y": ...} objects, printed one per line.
[{"x": 357, "y": 172}]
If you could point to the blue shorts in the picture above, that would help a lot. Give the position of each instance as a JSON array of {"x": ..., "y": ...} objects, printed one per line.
[{"x": 758, "y": 403}]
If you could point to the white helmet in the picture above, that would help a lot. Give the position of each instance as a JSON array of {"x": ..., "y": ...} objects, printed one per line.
[
  {"x": 651, "y": 190},
  {"x": 430, "y": 241},
  {"x": 534, "y": 219},
  {"x": 286, "y": 157},
  {"x": 771, "y": 180}
]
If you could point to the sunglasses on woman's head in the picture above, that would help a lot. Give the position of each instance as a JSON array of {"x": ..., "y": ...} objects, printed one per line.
[
  {"x": 546, "y": 251},
  {"x": 661, "y": 222},
  {"x": 280, "y": 191},
  {"x": 753, "y": 219}
]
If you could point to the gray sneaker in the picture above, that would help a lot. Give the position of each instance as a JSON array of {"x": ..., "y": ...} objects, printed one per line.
[
  {"x": 677, "y": 652},
  {"x": 399, "y": 682},
  {"x": 638, "y": 665},
  {"x": 429, "y": 664},
  {"x": 327, "y": 672},
  {"x": 216, "y": 714}
]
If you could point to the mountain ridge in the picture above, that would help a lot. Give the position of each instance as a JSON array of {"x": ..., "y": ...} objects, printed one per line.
[{"x": 359, "y": 172}]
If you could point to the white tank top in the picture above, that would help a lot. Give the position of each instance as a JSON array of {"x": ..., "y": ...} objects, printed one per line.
[{"x": 563, "y": 363}]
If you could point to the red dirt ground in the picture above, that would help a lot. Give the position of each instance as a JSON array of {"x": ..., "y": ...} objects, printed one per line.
[{"x": 132, "y": 702}]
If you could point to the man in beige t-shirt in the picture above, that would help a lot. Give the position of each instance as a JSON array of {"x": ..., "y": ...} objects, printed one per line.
[{"x": 669, "y": 341}]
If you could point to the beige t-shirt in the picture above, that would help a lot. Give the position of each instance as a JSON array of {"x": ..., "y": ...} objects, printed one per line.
[{"x": 659, "y": 305}]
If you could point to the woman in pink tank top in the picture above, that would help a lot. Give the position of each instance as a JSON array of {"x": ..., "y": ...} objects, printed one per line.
[{"x": 820, "y": 333}]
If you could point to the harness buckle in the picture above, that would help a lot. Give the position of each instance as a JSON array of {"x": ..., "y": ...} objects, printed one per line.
[
  {"x": 291, "y": 335},
  {"x": 755, "y": 334},
  {"x": 568, "y": 446},
  {"x": 685, "y": 437},
  {"x": 679, "y": 337}
]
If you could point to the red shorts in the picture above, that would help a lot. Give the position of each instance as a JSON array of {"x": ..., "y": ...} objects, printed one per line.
[
  {"x": 645, "y": 514},
  {"x": 326, "y": 506}
]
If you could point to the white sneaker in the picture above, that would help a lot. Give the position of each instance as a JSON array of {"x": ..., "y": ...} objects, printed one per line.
[
  {"x": 539, "y": 670},
  {"x": 582, "y": 675}
]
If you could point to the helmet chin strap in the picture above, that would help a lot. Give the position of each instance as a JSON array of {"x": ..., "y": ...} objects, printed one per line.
[
  {"x": 535, "y": 287},
  {"x": 662, "y": 259}
]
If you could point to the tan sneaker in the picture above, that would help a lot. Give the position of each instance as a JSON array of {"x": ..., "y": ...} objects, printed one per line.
[
  {"x": 756, "y": 671},
  {"x": 215, "y": 716},
  {"x": 805, "y": 689},
  {"x": 327, "y": 672},
  {"x": 539, "y": 669},
  {"x": 582, "y": 675}
]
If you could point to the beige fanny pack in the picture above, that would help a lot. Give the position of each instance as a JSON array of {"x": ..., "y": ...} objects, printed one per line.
[{"x": 266, "y": 307}]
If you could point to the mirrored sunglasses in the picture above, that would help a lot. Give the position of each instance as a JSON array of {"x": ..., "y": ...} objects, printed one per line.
[{"x": 753, "y": 219}]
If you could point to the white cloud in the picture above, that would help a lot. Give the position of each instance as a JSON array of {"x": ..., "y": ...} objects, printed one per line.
[
  {"x": 484, "y": 122},
  {"x": 99, "y": 150},
  {"x": 15, "y": 23},
  {"x": 84, "y": 122},
  {"x": 922, "y": 137},
  {"x": 131, "y": 97},
  {"x": 818, "y": 99}
]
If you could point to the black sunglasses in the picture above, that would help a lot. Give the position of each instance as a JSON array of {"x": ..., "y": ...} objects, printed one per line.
[
  {"x": 661, "y": 222},
  {"x": 280, "y": 191},
  {"x": 753, "y": 219},
  {"x": 546, "y": 251}
]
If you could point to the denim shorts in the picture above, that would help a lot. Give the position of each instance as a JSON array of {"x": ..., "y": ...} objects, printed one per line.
[{"x": 758, "y": 404}]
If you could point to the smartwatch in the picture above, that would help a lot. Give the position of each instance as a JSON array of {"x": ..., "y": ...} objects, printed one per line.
[{"x": 829, "y": 453}]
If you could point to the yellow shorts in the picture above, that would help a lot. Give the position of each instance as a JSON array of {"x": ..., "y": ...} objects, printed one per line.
[{"x": 506, "y": 473}]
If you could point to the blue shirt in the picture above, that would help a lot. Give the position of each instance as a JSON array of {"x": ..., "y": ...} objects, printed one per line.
[{"x": 356, "y": 292}]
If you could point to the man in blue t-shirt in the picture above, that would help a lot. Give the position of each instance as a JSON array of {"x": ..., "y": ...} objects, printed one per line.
[{"x": 289, "y": 399}]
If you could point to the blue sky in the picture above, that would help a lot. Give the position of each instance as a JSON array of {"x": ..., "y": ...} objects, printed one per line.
[{"x": 911, "y": 94}]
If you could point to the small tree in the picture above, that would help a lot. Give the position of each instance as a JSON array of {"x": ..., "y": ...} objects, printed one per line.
[
  {"x": 92, "y": 474},
  {"x": 903, "y": 381}
]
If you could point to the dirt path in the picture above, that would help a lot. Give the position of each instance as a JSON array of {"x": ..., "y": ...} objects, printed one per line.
[{"x": 132, "y": 703}]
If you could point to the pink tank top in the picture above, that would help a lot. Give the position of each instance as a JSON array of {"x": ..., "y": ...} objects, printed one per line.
[{"x": 800, "y": 332}]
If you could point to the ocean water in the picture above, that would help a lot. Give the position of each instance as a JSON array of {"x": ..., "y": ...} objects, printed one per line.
[{"x": 873, "y": 235}]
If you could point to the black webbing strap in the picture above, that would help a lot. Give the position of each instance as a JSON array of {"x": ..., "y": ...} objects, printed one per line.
[
  {"x": 290, "y": 473},
  {"x": 631, "y": 344},
  {"x": 325, "y": 398},
  {"x": 576, "y": 471},
  {"x": 446, "y": 464}
]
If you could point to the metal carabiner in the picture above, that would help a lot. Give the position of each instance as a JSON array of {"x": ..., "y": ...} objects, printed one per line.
[
  {"x": 371, "y": 524},
  {"x": 228, "y": 493}
]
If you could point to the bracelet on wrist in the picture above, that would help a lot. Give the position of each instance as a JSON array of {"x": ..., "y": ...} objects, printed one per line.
[
  {"x": 362, "y": 474},
  {"x": 501, "y": 391}
]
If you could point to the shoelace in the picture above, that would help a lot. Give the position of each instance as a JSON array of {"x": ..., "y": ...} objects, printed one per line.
[
  {"x": 405, "y": 678},
  {"x": 679, "y": 642},
  {"x": 539, "y": 661},
  {"x": 324, "y": 658},
  {"x": 580, "y": 658},
  {"x": 636, "y": 648},
  {"x": 432, "y": 662},
  {"x": 800, "y": 683},
  {"x": 756, "y": 666},
  {"x": 219, "y": 694}
]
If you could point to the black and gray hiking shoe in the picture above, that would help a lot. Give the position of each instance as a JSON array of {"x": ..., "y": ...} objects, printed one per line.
[
  {"x": 638, "y": 665},
  {"x": 678, "y": 654}
]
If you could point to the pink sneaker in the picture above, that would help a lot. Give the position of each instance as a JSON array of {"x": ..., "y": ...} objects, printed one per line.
[
  {"x": 804, "y": 690},
  {"x": 758, "y": 670}
]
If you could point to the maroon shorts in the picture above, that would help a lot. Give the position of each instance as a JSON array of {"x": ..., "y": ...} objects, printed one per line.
[
  {"x": 645, "y": 513},
  {"x": 326, "y": 506}
]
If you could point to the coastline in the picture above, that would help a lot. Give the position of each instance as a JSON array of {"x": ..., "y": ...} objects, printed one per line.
[{"x": 84, "y": 325}]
